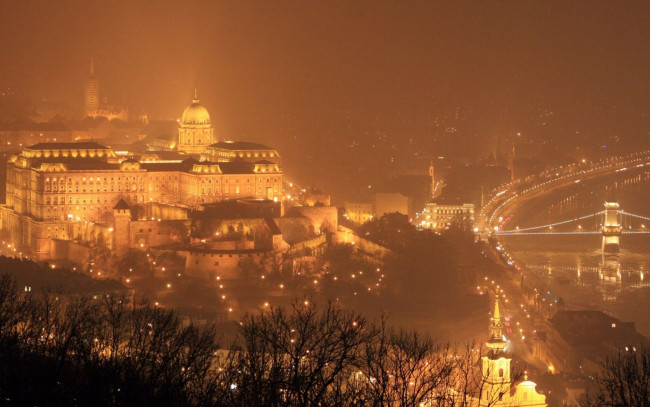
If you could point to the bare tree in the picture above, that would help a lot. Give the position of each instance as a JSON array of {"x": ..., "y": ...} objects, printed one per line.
[
  {"x": 405, "y": 368},
  {"x": 298, "y": 357},
  {"x": 624, "y": 380}
]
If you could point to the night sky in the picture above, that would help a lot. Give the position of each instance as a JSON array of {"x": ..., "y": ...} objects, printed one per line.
[{"x": 301, "y": 73}]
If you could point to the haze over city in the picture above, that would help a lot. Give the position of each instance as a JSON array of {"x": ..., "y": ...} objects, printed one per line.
[{"x": 416, "y": 183}]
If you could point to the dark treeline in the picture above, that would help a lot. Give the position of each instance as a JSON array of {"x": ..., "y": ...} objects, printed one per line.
[
  {"x": 79, "y": 351},
  {"x": 624, "y": 381}
]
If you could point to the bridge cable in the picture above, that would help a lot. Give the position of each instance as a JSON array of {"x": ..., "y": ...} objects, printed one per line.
[{"x": 514, "y": 231}]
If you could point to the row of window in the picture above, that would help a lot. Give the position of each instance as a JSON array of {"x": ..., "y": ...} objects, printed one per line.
[
  {"x": 95, "y": 179},
  {"x": 61, "y": 183},
  {"x": 83, "y": 188}
]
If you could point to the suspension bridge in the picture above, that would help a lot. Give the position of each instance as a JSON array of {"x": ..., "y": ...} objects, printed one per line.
[{"x": 611, "y": 223}]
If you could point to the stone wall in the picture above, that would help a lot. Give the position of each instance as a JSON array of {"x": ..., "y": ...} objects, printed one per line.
[
  {"x": 346, "y": 235},
  {"x": 321, "y": 218},
  {"x": 154, "y": 233},
  {"x": 70, "y": 251},
  {"x": 210, "y": 264}
]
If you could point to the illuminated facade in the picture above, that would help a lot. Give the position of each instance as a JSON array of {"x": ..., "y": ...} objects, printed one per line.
[
  {"x": 359, "y": 212},
  {"x": 55, "y": 190},
  {"x": 196, "y": 132},
  {"x": 226, "y": 151},
  {"x": 440, "y": 216},
  {"x": 498, "y": 389}
]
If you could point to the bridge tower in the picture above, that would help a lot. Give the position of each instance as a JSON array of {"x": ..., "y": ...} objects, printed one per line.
[{"x": 611, "y": 228}]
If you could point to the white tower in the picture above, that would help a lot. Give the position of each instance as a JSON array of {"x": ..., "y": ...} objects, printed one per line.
[
  {"x": 495, "y": 366},
  {"x": 611, "y": 228}
]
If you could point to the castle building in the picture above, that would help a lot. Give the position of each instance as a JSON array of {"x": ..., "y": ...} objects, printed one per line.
[
  {"x": 196, "y": 132},
  {"x": 498, "y": 389},
  {"x": 53, "y": 189},
  {"x": 226, "y": 151}
]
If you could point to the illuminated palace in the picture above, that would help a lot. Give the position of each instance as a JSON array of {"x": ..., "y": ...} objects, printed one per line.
[{"x": 55, "y": 190}]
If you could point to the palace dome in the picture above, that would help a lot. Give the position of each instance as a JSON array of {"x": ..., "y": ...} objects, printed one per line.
[{"x": 195, "y": 114}]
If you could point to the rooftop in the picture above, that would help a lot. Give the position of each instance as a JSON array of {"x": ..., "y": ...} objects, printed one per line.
[
  {"x": 594, "y": 328},
  {"x": 121, "y": 204},
  {"x": 87, "y": 145},
  {"x": 240, "y": 145},
  {"x": 76, "y": 163}
]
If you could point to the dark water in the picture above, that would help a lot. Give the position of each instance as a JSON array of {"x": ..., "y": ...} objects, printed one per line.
[{"x": 572, "y": 266}]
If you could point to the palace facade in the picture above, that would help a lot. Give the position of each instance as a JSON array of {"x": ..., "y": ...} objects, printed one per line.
[{"x": 55, "y": 189}]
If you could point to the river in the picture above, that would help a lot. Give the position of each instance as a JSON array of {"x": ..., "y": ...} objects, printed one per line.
[{"x": 572, "y": 267}]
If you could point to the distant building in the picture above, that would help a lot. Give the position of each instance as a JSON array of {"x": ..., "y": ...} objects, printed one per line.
[
  {"x": 227, "y": 151},
  {"x": 18, "y": 135},
  {"x": 442, "y": 216},
  {"x": 391, "y": 202},
  {"x": 359, "y": 212},
  {"x": 315, "y": 198},
  {"x": 577, "y": 341},
  {"x": 91, "y": 92},
  {"x": 96, "y": 106},
  {"x": 404, "y": 193}
]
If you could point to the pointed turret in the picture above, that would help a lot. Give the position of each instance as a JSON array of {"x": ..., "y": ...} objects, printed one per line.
[
  {"x": 432, "y": 191},
  {"x": 91, "y": 92},
  {"x": 496, "y": 344}
]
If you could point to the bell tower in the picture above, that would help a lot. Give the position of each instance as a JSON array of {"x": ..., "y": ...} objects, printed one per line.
[
  {"x": 91, "y": 93},
  {"x": 495, "y": 365}
]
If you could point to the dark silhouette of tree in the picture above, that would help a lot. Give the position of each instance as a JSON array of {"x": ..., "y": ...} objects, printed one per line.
[
  {"x": 57, "y": 350},
  {"x": 404, "y": 368},
  {"x": 624, "y": 380},
  {"x": 297, "y": 357},
  {"x": 109, "y": 350}
]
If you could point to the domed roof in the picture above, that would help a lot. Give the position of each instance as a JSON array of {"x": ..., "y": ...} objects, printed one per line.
[{"x": 195, "y": 114}]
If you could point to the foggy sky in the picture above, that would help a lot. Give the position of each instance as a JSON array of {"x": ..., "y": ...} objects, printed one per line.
[
  {"x": 287, "y": 67},
  {"x": 287, "y": 52}
]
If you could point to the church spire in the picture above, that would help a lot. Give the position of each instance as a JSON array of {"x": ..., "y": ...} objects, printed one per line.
[
  {"x": 92, "y": 66},
  {"x": 496, "y": 343},
  {"x": 196, "y": 96}
]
